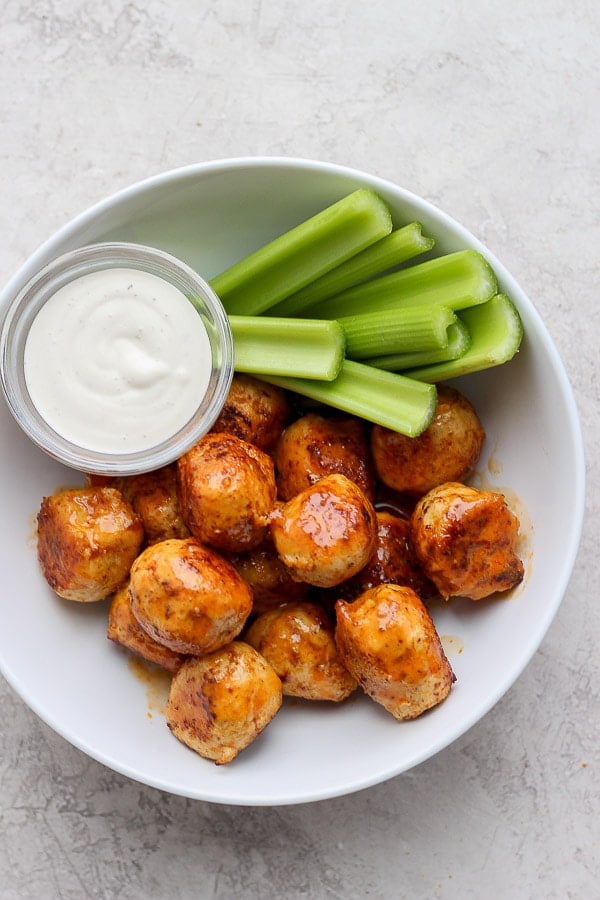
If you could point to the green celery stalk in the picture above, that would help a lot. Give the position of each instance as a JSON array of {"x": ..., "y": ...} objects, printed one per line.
[
  {"x": 457, "y": 280},
  {"x": 496, "y": 332},
  {"x": 396, "y": 330},
  {"x": 386, "y": 398},
  {"x": 392, "y": 250},
  {"x": 299, "y": 256},
  {"x": 459, "y": 340},
  {"x": 306, "y": 348}
]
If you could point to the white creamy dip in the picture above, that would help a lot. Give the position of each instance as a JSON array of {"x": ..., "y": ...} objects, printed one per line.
[{"x": 117, "y": 361}]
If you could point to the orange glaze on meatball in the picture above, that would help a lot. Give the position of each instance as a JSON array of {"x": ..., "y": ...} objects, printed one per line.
[
  {"x": 227, "y": 489},
  {"x": 465, "y": 541},
  {"x": 316, "y": 445},
  {"x": 188, "y": 597},
  {"x": 446, "y": 451},
  {"x": 87, "y": 540},
  {"x": 327, "y": 533},
  {"x": 298, "y": 641},
  {"x": 219, "y": 704},
  {"x": 387, "y": 640}
]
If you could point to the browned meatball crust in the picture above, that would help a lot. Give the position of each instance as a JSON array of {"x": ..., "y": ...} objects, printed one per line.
[
  {"x": 125, "y": 630},
  {"x": 446, "y": 451},
  {"x": 87, "y": 540},
  {"x": 465, "y": 540},
  {"x": 297, "y": 640},
  {"x": 315, "y": 445},
  {"x": 253, "y": 411},
  {"x": 188, "y": 597},
  {"x": 327, "y": 533},
  {"x": 227, "y": 489},
  {"x": 387, "y": 640},
  {"x": 220, "y": 703}
]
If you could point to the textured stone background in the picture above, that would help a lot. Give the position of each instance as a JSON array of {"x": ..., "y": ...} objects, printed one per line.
[{"x": 488, "y": 109}]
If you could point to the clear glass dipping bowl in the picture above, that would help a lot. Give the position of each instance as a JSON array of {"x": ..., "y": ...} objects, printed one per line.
[{"x": 72, "y": 265}]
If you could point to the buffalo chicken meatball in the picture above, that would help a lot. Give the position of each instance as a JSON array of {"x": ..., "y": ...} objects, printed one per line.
[
  {"x": 327, "y": 533},
  {"x": 297, "y": 640},
  {"x": 253, "y": 411},
  {"x": 446, "y": 451},
  {"x": 219, "y": 704},
  {"x": 387, "y": 640},
  {"x": 87, "y": 540},
  {"x": 227, "y": 489},
  {"x": 154, "y": 497},
  {"x": 465, "y": 540},
  {"x": 315, "y": 445},
  {"x": 125, "y": 630},
  {"x": 188, "y": 597}
]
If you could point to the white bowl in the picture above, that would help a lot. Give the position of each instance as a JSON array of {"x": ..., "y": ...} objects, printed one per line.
[{"x": 55, "y": 654}]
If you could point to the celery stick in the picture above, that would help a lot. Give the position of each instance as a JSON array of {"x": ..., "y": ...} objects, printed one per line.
[
  {"x": 306, "y": 348},
  {"x": 459, "y": 340},
  {"x": 456, "y": 280},
  {"x": 496, "y": 333},
  {"x": 385, "y": 398},
  {"x": 396, "y": 330},
  {"x": 395, "y": 248},
  {"x": 304, "y": 253}
]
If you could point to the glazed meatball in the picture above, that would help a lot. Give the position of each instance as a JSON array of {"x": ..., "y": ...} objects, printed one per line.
[
  {"x": 227, "y": 489},
  {"x": 327, "y": 533},
  {"x": 387, "y": 640},
  {"x": 87, "y": 540},
  {"x": 315, "y": 445},
  {"x": 188, "y": 597},
  {"x": 153, "y": 496},
  {"x": 269, "y": 579},
  {"x": 125, "y": 630},
  {"x": 393, "y": 562},
  {"x": 219, "y": 704},
  {"x": 465, "y": 541},
  {"x": 446, "y": 451},
  {"x": 254, "y": 411},
  {"x": 298, "y": 641}
]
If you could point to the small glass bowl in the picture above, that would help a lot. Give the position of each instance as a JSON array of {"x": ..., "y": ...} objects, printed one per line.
[{"x": 68, "y": 267}]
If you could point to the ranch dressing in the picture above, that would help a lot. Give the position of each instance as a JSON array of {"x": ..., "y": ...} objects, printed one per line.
[{"x": 117, "y": 361}]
